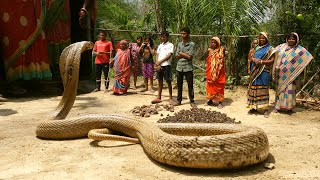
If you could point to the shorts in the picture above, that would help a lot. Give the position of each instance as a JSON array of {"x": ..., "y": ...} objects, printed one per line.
[{"x": 165, "y": 73}]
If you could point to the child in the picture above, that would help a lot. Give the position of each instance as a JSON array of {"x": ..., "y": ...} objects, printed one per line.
[
  {"x": 163, "y": 66},
  {"x": 135, "y": 59},
  {"x": 147, "y": 62},
  {"x": 102, "y": 49}
]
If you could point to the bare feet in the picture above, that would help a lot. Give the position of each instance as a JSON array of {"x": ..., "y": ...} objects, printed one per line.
[
  {"x": 171, "y": 102},
  {"x": 266, "y": 114},
  {"x": 178, "y": 103},
  {"x": 193, "y": 105}
]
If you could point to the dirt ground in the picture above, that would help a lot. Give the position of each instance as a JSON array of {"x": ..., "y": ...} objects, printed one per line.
[{"x": 294, "y": 141}]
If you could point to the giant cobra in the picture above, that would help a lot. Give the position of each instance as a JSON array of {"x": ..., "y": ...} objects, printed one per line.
[{"x": 204, "y": 145}]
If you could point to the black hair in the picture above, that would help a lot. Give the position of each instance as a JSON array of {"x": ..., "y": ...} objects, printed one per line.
[
  {"x": 104, "y": 32},
  {"x": 166, "y": 33},
  {"x": 185, "y": 29},
  {"x": 150, "y": 39},
  {"x": 292, "y": 35},
  {"x": 139, "y": 37}
]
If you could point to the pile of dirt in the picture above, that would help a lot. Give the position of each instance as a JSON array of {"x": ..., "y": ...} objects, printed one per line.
[
  {"x": 148, "y": 110},
  {"x": 198, "y": 115}
]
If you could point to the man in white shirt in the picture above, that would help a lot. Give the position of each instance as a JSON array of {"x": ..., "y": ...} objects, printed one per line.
[{"x": 163, "y": 66}]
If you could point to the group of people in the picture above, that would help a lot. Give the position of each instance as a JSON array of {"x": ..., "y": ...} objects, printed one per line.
[
  {"x": 126, "y": 62},
  {"x": 283, "y": 64}
]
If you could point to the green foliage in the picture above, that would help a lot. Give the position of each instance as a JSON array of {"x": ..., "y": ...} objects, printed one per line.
[
  {"x": 302, "y": 17},
  {"x": 220, "y": 17}
]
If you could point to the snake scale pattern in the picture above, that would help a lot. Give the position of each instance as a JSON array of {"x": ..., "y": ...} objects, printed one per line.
[{"x": 218, "y": 146}]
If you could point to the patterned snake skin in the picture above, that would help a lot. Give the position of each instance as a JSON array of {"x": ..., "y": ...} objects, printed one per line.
[{"x": 220, "y": 146}]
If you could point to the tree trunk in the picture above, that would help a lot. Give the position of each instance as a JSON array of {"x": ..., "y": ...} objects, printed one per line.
[
  {"x": 230, "y": 55},
  {"x": 159, "y": 18}
]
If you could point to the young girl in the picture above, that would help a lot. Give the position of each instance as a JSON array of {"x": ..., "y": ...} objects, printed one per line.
[{"x": 147, "y": 62}]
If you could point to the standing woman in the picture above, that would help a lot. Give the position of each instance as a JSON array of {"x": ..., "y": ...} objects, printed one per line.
[
  {"x": 260, "y": 67},
  {"x": 147, "y": 51},
  {"x": 122, "y": 68},
  {"x": 215, "y": 73},
  {"x": 136, "y": 65},
  {"x": 291, "y": 61}
]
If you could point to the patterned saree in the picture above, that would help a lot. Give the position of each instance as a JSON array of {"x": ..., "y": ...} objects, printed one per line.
[
  {"x": 58, "y": 26},
  {"x": 215, "y": 73},
  {"x": 33, "y": 33},
  {"x": 289, "y": 64},
  {"x": 122, "y": 68},
  {"x": 24, "y": 42},
  {"x": 258, "y": 90}
]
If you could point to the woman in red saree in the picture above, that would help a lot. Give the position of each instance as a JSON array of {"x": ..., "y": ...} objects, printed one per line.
[
  {"x": 25, "y": 52},
  {"x": 215, "y": 73},
  {"x": 34, "y": 33},
  {"x": 122, "y": 68}
]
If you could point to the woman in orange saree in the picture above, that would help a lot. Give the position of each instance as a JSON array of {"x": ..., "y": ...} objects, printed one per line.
[
  {"x": 215, "y": 73},
  {"x": 122, "y": 69}
]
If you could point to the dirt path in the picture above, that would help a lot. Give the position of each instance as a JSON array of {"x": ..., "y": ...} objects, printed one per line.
[{"x": 294, "y": 142}]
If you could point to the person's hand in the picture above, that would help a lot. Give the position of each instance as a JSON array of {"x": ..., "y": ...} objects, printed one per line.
[
  {"x": 157, "y": 67},
  {"x": 158, "y": 63},
  {"x": 257, "y": 61},
  {"x": 111, "y": 63}
]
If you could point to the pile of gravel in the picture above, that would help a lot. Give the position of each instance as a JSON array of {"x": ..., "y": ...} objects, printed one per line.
[{"x": 198, "y": 115}]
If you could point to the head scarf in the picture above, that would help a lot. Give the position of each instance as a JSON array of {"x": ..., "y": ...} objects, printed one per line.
[
  {"x": 217, "y": 59},
  {"x": 217, "y": 40},
  {"x": 296, "y": 36},
  {"x": 265, "y": 34}
]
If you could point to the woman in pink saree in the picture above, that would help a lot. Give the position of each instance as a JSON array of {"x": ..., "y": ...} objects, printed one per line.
[
  {"x": 291, "y": 61},
  {"x": 122, "y": 68}
]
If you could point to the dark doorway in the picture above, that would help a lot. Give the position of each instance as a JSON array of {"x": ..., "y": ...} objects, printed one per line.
[{"x": 78, "y": 34}]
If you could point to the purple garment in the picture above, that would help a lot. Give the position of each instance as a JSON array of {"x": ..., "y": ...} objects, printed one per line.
[
  {"x": 147, "y": 70},
  {"x": 136, "y": 66}
]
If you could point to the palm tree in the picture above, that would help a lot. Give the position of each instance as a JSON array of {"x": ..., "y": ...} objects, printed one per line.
[{"x": 224, "y": 17}]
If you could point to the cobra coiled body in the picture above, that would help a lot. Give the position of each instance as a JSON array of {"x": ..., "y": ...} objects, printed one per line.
[{"x": 184, "y": 145}]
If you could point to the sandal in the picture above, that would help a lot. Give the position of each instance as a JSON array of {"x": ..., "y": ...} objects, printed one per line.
[
  {"x": 155, "y": 101},
  {"x": 171, "y": 102}
]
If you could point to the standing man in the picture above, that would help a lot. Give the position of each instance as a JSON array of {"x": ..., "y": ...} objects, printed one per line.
[
  {"x": 184, "y": 54},
  {"x": 163, "y": 66},
  {"x": 102, "y": 49}
]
